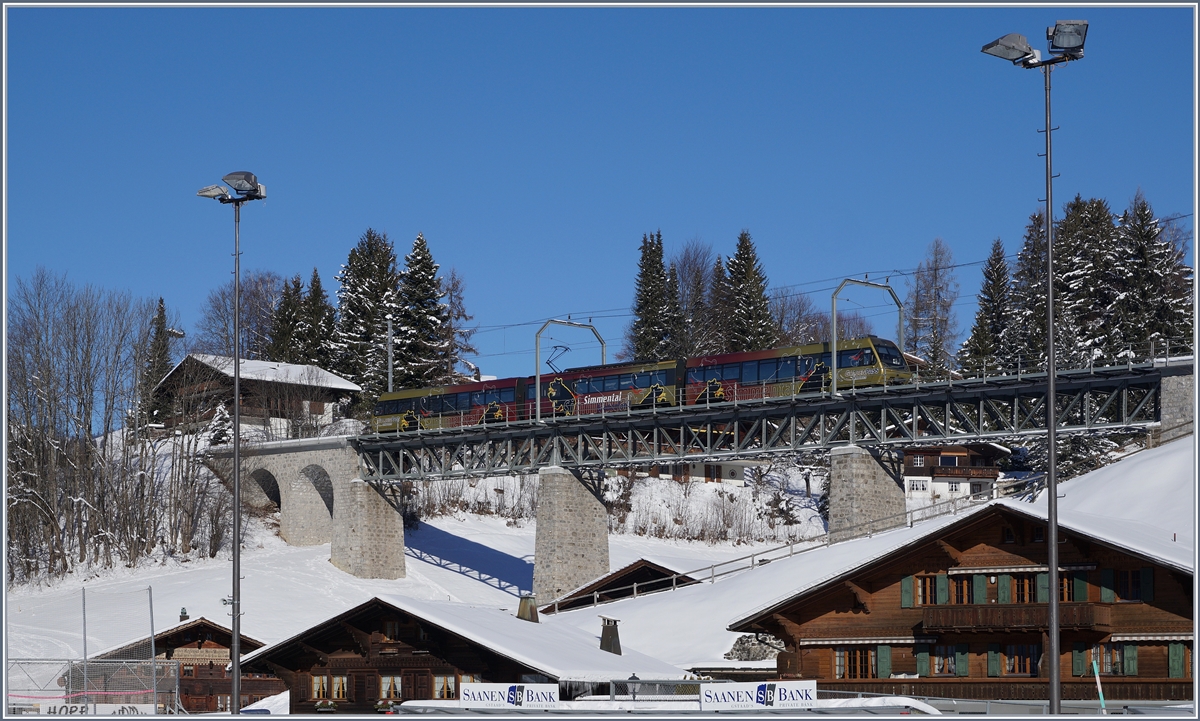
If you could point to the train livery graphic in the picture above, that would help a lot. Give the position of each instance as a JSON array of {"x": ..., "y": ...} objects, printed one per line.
[{"x": 620, "y": 387}]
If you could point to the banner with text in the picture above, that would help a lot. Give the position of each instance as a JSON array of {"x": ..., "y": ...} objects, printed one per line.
[
  {"x": 750, "y": 696},
  {"x": 508, "y": 695}
]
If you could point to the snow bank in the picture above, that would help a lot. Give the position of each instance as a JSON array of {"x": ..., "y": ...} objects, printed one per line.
[{"x": 278, "y": 704}]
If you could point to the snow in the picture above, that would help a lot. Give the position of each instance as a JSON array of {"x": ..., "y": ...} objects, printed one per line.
[
  {"x": 279, "y": 704},
  {"x": 256, "y": 370},
  {"x": 604, "y": 706}
]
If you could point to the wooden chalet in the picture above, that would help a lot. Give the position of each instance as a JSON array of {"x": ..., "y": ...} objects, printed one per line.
[
  {"x": 936, "y": 473},
  {"x": 641, "y": 576},
  {"x": 392, "y": 649},
  {"x": 961, "y": 611},
  {"x": 201, "y": 647}
]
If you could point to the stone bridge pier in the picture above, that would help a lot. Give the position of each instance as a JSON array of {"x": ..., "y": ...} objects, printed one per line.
[
  {"x": 570, "y": 546},
  {"x": 866, "y": 491},
  {"x": 315, "y": 484}
]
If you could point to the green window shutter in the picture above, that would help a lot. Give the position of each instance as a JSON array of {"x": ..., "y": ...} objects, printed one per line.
[
  {"x": 1131, "y": 659},
  {"x": 993, "y": 659},
  {"x": 1108, "y": 586},
  {"x": 980, "y": 590},
  {"x": 883, "y": 661},
  {"x": 1081, "y": 589},
  {"x": 1175, "y": 660},
  {"x": 922, "y": 650},
  {"x": 1004, "y": 589},
  {"x": 1043, "y": 588},
  {"x": 906, "y": 592},
  {"x": 961, "y": 660},
  {"x": 943, "y": 589},
  {"x": 1079, "y": 659},
  {"x": 1148, "y": 584}
]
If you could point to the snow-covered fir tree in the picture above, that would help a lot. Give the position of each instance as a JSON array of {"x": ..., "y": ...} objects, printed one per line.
[
  {"x": 1156, "y": 306},
  {"x": 369, "y": 291},
  {"x": 716, "y": 307},
  {"x": 423, "y": 351},
  {"x": 648, "y": 335},
  {"x": 751, "y": 326},
  {"x": 1088, "y": 261},
  {"x": 220, "y": 428},
  {"x": 987, "y": 348},
  {"x": 155, "y": 405},
  {"x": 1027, "y": 337},
  {"x": 283, "y": 346},
  {"x": 316, "y": 326},
  {"x": 929, "y": 310}
]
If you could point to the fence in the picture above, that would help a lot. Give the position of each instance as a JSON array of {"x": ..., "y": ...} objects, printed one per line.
[{"x": 103, "y": 687}]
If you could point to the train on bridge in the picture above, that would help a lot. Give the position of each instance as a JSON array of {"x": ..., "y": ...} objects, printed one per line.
[{"x": 637, "y": 385}]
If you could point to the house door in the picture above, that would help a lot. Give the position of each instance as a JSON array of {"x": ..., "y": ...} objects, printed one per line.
[{"x": 416, "y": 684}]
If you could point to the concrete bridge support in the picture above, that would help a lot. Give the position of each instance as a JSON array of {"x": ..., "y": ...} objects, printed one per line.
[
  {"x": 866, "y": 492},
  {"x": 571, "y": 544},
  {"x": 368, "y": 533},
  {"x": 1178, "y": 396}
]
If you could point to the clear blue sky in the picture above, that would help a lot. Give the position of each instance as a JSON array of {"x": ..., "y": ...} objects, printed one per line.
[{"x": 534, "y": 147}]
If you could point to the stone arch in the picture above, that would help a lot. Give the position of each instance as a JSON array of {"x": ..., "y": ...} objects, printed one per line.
[
  {"x": 321, "y": 481},
  {"x": 265, "y": 481}
]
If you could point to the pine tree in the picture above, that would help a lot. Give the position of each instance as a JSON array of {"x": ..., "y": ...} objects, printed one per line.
[
  {"x": 423, "y": 351},
  {"x": 717, "y": 312},
  {"x": 1157, "y": 302},
  {"x": 986, "y": 348},
  {"x": 1087, "y": 260},
  {"x": 929, "y": 310},
  {"x": 316, "y": 326},
  {"x": 283, "y": 345},
  {"x": 368, "y": 292},
  {"x": 456, "y": 332},
  {"x": 750, "y": 325},
  {"x": 155, "y": 405},
  {"x": 675, "y": 323},
  {"x": 1028, "y": 327},
  {"x": 647, "y": 336}
]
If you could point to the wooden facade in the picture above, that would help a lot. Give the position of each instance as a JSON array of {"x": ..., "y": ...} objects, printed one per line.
[
  {"x": 641, "y": 576},
  {"x": 378, "y": 653},
  {"x": 963, "y": 614}
]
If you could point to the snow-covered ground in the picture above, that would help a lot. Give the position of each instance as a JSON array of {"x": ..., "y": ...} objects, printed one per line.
[{"x": 286, "y": 589}]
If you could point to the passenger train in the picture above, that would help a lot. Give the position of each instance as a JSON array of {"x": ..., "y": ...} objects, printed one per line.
[{"x": 619, "y": 387}]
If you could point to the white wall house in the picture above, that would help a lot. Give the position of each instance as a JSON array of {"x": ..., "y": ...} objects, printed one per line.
[{"x": 940, "y": 473}]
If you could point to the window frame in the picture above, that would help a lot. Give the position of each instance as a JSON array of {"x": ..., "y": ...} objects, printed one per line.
[
  {"x": 943, "y": 659},
  {"x": 1018, "y": 655},
  {"x": 851, "y": 662}
]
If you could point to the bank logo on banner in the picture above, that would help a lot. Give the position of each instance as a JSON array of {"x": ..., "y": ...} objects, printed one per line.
[
  {"x": 750, "y": 696},
  {"x": 508, "y": 695}
]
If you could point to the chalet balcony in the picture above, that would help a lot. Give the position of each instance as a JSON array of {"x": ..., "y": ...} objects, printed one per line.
[
  {"x": 1115, "y": 688},
  {"x": 988, "y": 472},
  {"x": 1016, "y": 617}
]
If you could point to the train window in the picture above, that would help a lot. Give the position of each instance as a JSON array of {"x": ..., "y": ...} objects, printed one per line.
[
  {"x": 448, "y": 403},
  {"x": 856, "y": 358},
  {"x": 464, "y": 401},
  {"x": 479, "y": 398},
  {"x": 659, "y": 378},
  {"x": 642, "y": 380},
  {"x": 508, "y": 395},
  {"x": 695, "y": 375},
  {"x": 626, "y": 381},
  {"x": 787, "y": 368},
  {"x": 825, "y": 360},
  {"x": 768, "y": 370},
  {"x": 750, "y": 372},
  {"x": 583, "y": 385},
  {"x": 731, "y": 371},
  {"x": 712, "y": 373},
  {"x": 381, "y": 409},
  {"x": 890, "y": 355},
  {"x": 610, "y": 382}
]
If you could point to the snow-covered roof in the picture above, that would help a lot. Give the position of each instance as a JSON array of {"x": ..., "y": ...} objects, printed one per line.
[
  {"x": 256, "y": 370},
  {"x": 279, "y": 704},
  {"x": 1143, "y": 504},
  {"x": 560, "y": 651},
  {"x": 162, "y": 633}
]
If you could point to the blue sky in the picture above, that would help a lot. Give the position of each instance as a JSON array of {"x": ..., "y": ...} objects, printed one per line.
[{"x": 534, "y": 147}]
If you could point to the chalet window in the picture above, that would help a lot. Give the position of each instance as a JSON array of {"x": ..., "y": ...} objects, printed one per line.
[
  {"x": 1066, "y": 587},
  {"x": 933, "y": 590},
  {"x": 389, "y": 687},
  {"x": 964, "y": 589},
  {"x": 470, "y": 678},
  {"x": 391, "y": 629},
  {"x": 189, "y": 670},
  {"x": 1009, "y": 535},
  {"x": 338, "y": 687},
  {"x": 854, "y": 661},
  {"x": 1039, "y": 534},
  {"x": 1020, "y": 659},
  {"x": 918, "y": 461},
  {"x": 1024, "y": 588},
  {"x": 948, "y": 461},
  {"x": 918, "y": 485},
  {"x": 223, "y": 702},
  {"x": 1178, "y": 662},
  {"x": 1110, "y": 658},
  {"x": 1129, "y": 585},
  {"x": 443, "y": 686},
  {"x": 320, "y": 687},
  {"x": 954, "y": 486},
  {"x": 943, "y": 661}
]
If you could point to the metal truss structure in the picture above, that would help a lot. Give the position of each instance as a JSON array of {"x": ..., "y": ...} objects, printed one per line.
[{"x": 958, "y": 411}]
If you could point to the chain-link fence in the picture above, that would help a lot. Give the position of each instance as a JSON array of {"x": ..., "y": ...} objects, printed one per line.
[
  {"x": 634, "y": 689},
  {"x": 103, "y": 687}
]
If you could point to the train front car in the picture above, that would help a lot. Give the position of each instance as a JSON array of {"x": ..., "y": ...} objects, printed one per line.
[
  {"x": 606, "y": 389},
  {"x": 468, "y": 404}
]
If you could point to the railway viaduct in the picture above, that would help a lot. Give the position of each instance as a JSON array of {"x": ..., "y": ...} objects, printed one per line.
[{"x": 341, "y": 490}]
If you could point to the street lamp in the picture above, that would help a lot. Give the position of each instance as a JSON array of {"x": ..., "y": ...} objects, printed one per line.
[
  {"x": 1066, "y": 40},
  {"x": 247, "y": 187}
]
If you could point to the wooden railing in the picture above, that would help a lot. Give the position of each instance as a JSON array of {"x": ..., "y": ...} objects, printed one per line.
[
  {"x": 992, "y": 617},
  {"x": 963, "y": 471}
]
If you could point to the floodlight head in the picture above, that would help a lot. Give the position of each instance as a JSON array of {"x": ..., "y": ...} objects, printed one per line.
[
  {"x": 1067, "y": 37},
  {"x": 242, "y": 181},
  {"x": 1013, "y": 47},
  {"x": 213, "y": 191}
]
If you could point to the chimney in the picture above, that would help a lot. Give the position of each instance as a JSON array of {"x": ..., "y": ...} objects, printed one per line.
[
  {"x": 183, "y": 614},
  {"x": 527, "y": 611},
  {"x": 610, "y": 640}
]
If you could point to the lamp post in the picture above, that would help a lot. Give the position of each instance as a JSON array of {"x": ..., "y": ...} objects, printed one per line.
[
  {"x": 247, "y": 187},
  {"x": 1066, "y": 40}
]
